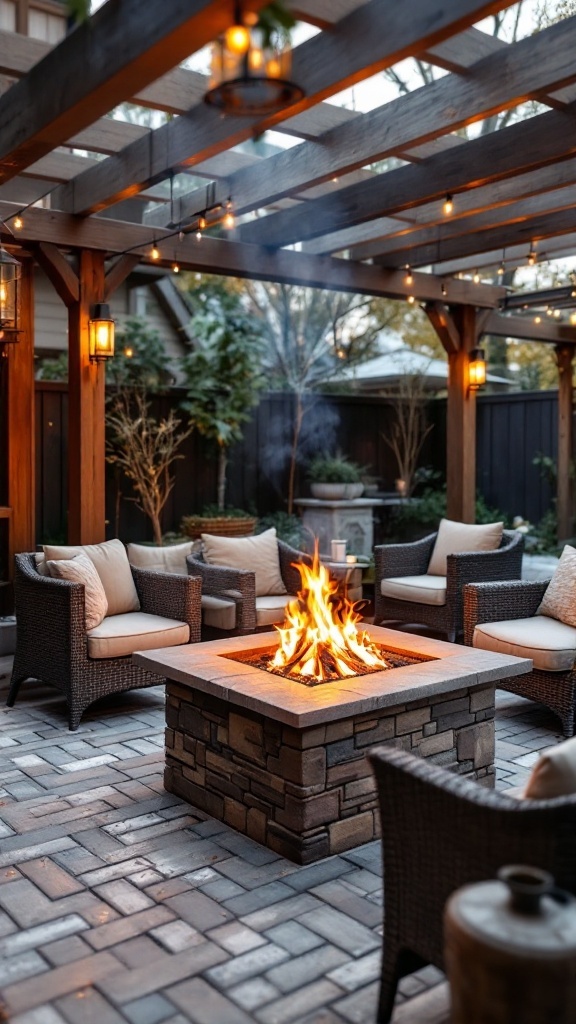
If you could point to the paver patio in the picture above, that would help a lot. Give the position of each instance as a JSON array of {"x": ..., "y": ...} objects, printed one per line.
[{"x": 119, "y": 902}]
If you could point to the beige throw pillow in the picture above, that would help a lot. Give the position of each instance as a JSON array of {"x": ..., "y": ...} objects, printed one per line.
[
  {"x": 456, "y": 537},
  {"x": 171, "y": 558},
  {"x": 112, "y": 565},
  {"x": 554, "y": 774},
  {"x": 80, "y": 569},
  {"x": 259, "y": 554},
  {"x": 559, "y": 601}
]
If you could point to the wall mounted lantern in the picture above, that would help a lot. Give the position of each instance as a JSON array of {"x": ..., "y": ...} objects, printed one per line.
[
  {"x": 101, "y": 330},
  {"x": 476, "y": 369},
  {"x": 10, "y": 276},
  {"x": 250, "y": 68}
]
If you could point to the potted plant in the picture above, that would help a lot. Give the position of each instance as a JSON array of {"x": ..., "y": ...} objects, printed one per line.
[
  {"x": 335, "y": 478},
  {"x": 223, "y": 379}
]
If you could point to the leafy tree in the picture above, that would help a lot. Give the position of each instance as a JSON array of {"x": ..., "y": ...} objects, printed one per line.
[{"x": 222, "y": 375}]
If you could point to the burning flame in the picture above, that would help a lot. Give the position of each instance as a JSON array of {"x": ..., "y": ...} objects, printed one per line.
[{"x": 319, "y": 640}]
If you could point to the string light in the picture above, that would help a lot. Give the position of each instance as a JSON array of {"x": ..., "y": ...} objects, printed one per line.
[
  {"x": 532, "y": 257},
  {"x": 128, "y": 352},
  {"x": 476, "y": 277},
  {"x": 573, "y": 318},
  {"x": 18, "y": 222},
  {"x": 175, "y": 268},
  {"x": 155, "y": 251},
  {"x": 201, "y": 222},
  {"x": 444, "y": 289},
  {"x": 410, "y": 299},
  {"x": 198, "y": 235},
  {"x": 229, "y": 221},
  {"x": 501, "y": 269},
  {"x": 537, "y": 319},
  {"x": 448, "y": 205},
  {"x": 409, "y": 278}
]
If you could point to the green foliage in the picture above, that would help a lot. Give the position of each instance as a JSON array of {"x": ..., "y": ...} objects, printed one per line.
[
  {"x": 288, "y": 528},
  {"x": 212, "y": 511},
  {"x": 543, "y": 538},
  {"x": 334, "y": 469},
  {"x": 140, "y": 363},
  {"x": 78, "y": 10},
  {"x": 430, "y": 507},
  {"x": 54, "y": 369},
  {"x": 275, "y": 23},
  {"x": 222, "y": 375}
]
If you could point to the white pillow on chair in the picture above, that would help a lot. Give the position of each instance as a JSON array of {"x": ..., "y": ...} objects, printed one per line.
[
  {"x": 554, "y": 774},
  {"x": 258, "y": 553},
  {"x": 559, "y": 601},
  {"x": 112, "y": 565},
  {"x": 454, "y": 538},
  {"x": 80, "y": 569},
  {"x": 171, "y": 558}
]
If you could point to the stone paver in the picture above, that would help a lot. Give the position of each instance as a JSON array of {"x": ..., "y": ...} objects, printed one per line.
[{"x": 121, "y": 904}]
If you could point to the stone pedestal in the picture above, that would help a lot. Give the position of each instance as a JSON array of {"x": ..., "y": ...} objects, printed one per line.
[{"x": 351, "y": 520}]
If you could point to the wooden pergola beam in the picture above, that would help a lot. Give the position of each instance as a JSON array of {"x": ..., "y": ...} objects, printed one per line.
[
  {"x": 524, "y": 146},
  {"x": 564, "y": 482},
  {"x": 523, "y": 327},
  {"x": 353, "y": 51},
  {"x": 538, "y": 63},
  {"x": 103, "y": 62},
  {"x": 20, "y": 429}
]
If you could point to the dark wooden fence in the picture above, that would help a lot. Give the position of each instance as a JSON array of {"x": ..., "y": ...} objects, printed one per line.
[{"x": 511, "y": 430}]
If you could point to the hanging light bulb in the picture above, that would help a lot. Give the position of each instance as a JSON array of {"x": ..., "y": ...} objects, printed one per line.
[
  {"x": 180, "y": 236},
  {"x": 229, "y": 221},
  {"x": 448, "y": 205},
  {"x": 18, "y": 222},
  {"x": 444, "y": 290},
  {"x": 410, "y": 299},
  {"x": 154, "y": 252},
  {"x": 128, "y": 352},
  {"x": 198, "y": 235},
  {"x": 175, "y": 268},
  {"x": 237, "y": 39},
  {"x": 501, "y": 269},
  {"x": 409, "y": 278},
  {"x": 532, "y": 257},
  {"x": 537, "y": 319},
  {"x": 476, "y": 277},
  {"x": 573, "y": 318},
  {"x": 201, "y": 222}
]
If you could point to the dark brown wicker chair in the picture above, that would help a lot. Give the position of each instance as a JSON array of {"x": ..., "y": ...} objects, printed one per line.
[
  {"x": 239, "y": 585},
  {"x": 392, "y": 560},
  {"x": 440, "y": 831},
  {"x": 51, "y": 634},
  {"x": 498, "y": 602}
]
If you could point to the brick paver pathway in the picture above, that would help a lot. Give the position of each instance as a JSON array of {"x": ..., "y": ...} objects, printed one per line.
[{"x": 120, "y": 903}]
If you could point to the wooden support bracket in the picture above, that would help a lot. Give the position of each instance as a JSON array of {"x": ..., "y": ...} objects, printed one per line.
[{"x": 443, "y": 323}]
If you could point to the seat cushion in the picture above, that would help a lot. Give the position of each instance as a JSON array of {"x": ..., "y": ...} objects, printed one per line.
[
  {"x": 171, "y": 558},
  {"x": 218, "y": 613},
  {"x": 453, "y": 538},
  {"x": 554, "y": 774},
  {"x": 258, "y": 554},
  {"x": 550, "y": 644},
  {"x": 559, "y": 601},
  {"x": 81, "y": 569},
  {"x": 113, "y": 568},
  {"x": 120, "y": 635},
  {"x": 271, "y": 609},
  {"x": 421, "y": 589}
]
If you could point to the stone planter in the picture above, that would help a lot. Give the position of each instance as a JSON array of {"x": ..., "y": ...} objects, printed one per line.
[{"x": 336, "y": 492}]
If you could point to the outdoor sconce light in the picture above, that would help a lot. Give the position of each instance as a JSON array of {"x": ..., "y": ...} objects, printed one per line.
[
  {"x": 10, "y": 275},
  {"x": 101, "y": 328},
  {"x": 476, "y": 369},
  {"x": 250, "y": 68}
]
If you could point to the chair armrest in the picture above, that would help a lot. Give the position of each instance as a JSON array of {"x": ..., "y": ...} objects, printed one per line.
[
  {"x": 288, "y": 556},
  {"x": 50, "y": 613},
  {"x": 218, "y": 580},
  {"x": 503, "y": 563},
  {"x": 499, "y": 602},
  {"x": 403, "y": 559},
  {"x": 172, "y": 596}
]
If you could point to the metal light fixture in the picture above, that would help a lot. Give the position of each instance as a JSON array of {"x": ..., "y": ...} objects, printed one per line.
[
  {"x": 476, "y": 369},
  {"x": 101, "y": 328},
  {"x": 10, "y": 276},
  {"x": 250, "y": 69}
]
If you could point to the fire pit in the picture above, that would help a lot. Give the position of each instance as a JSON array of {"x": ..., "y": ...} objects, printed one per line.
[{"x": 284, "y": 762}]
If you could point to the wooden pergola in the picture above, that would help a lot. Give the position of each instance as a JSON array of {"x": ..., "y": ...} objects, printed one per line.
[{"x": 318, "y": 213}]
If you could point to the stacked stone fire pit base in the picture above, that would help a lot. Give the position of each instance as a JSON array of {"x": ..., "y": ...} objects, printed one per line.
[{"x": 286, "y": 765}]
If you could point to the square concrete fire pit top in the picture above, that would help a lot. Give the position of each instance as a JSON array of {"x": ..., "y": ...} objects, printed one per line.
[{"x": 209, "y": 668}]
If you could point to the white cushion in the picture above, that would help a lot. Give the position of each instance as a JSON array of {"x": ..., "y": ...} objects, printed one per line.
[
  {"x": 80, "y": 569},
  {"x": 218, "y": 613},
  {"x": 41, "y": 564},
  {"x": 271, "y": 609},
  {"x": 550, "y": 644},
  {"x": 454, "y": 538},
  {"x": 259, "y": 554},
  {"x": 421, "y": 589},
  {"x": 559, "y": 601},
  {"x": 113, "y": 568},
  {"x": 171, "y": 558},
  {"x": 120, "y": 635},
  {"x": 554, "y": 774}
]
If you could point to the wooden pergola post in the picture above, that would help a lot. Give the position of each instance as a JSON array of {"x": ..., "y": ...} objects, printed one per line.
[
  {"x": 458, "y": 332},
  {"x": 19, "y": 421},
  {"x": 564, "y": 483}
]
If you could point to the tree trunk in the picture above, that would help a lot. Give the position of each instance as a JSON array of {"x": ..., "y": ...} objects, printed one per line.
[
  {"x": 156, "y": 528},
  {"x": 298, "y": 417},
  {"x": 222, "y": 464}
]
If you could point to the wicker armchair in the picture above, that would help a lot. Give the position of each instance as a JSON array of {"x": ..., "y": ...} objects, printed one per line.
[
  {"x": 52, "y": 643},
  {"x": 397, "y": 560},
  {"x": 239, "y": 585},
  {"x": 504, "y": 602},
  {"x": 440, "y": 831}
]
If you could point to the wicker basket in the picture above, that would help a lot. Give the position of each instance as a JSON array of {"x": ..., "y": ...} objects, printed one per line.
[{"x": 221, "y": 526}]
